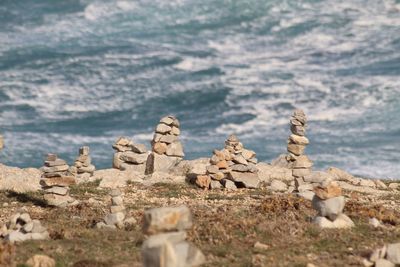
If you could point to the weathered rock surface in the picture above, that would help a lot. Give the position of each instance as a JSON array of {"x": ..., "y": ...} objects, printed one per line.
[{"x": 19, "y": 180}]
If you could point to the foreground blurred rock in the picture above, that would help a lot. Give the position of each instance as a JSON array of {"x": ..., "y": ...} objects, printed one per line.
[{"x": 19, "y": 180}]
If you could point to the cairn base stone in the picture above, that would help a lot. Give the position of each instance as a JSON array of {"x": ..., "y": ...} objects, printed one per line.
[
  {"x": 160, "y": 163},
  {"x": 341, "y": 221},
  {"x": 248, "y": 180},
  {"x": 330, "y": 208}
]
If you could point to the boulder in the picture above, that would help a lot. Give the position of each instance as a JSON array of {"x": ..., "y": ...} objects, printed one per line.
[
  {"x": 175, "y": 149},
  {"x": 156, "y": 162},
  {"x": 342, "y": 221},
  {"x": 247, "y": 180}
]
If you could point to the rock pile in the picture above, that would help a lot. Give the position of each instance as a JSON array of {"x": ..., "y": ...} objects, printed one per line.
[
  {"x": 167, "y": 245},
  {"x": 232, "y": 167},
  {"x": 55, "y": 182},
  {"x": 21, "y": 228},
  {"x": 129, "y": 156},
  {"x": 300, "y": 164},
  {"x": 83, "y": 167},
  {"x": 329, "y": 203},
  {"x": 167, "y": 150},
  {"x": 118, "y": 212},
  {"x": 387, "y": 256}
]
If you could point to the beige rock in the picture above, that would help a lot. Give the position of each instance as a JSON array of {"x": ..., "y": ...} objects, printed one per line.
[
  {"x": 222, "y": 165},
  {"x": 132, "y": 157},
  {"x": 41, "y": 261},
  {"x": 160, "y": 148},
  {"x": 248, "y": 154},
  {"x": 240, "y": 160},
  {"x": 169, "y": 138},
  {"x": 19, "y": 180},
  {"x": 301, "y": 172},
  {"x": 167, "y": 219},
  {"x": 175, "y": 149},
  {"x": 296, "y": 149},
  {"x": 302, "y": 162},
  {"x": 203, "y": 181},
  {"x": 156, "y": 162},
  {"x": 299, "y": 140},
  {"x": 175, "y": 131},
  {"x": 163, "y": 128},
  {"x": 247, "y": 180},
  {"x": 169, "y": 120},
  {"x": 330, "y": 191},
  {"x": 393, "y": 253}
]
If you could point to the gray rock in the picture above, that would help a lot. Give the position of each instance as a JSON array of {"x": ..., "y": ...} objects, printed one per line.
[
  {"x": 163, "y": 128},
  {"x": 384, "y": 263},
  {"x": 139, "y": 148},
  {"x": 309, "y": 195},
  {"x": 167, "y": 219},
  {"x": 133, "y": 157},
  {"x": 277, "y": 186},
  {"x": 228, "y": 184},
  {"x": 342, "y": 221},
  {"x": 37, "y": 227},
  {"x": 175, "y": 149},
  {"x": 117, "y": 200},
  {"x": 169, "y": 139},
  {"x": 215, "y": 184},
  {"x": 240, "y": 160},
  {"x": 16, "y": 236},
  {"x": 57, "y": 162},
  {"x": 330, "y": 208},
  {"x": 393, "y": 253},
  {"x": 377, "y": 254},
  {"x": 117, "y": 209},
  {"x": 248, "y": 180},
  {"x": 160, "y": 163}
]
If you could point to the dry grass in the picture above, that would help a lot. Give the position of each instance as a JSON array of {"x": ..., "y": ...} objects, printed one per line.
[{"x": 227, "y": 225}]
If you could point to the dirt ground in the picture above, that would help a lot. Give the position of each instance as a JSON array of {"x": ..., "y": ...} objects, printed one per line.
[{"x": 227, "y": 225}]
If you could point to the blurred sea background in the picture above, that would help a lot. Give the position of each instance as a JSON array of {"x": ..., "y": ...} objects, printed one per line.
[{"x": 80, "y": 72}]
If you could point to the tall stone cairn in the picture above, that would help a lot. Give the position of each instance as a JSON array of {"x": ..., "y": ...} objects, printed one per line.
[
  {"x": 300, "y": 164},
  {"x": 232, "y": 167},
  {"x": 83, "y": 167},
  {"x": 166, "y": 245},
  {"x": 129, "y": 156},
  {"x": 55, "y": 182},
  {"x": 167, "y": 150},
  {"x": 329, "y": 203}
]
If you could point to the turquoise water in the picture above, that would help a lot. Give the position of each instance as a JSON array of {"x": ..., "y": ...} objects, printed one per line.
[{"x": 78, "y": 73}]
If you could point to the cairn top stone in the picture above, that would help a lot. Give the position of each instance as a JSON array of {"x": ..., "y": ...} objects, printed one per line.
[
  {"x": 84, "y": 151},
  {"x": 167, "y": 219},
  {"x": 51, "y": 157},
  {"x": 233, "y": 138}
]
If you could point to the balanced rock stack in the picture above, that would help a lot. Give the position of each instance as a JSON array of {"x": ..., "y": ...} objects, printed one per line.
[
  {"x": 300, "y": 164},
  {"x": 167, "y": 245},
  {"x": 55, "y": 181},
  {"x": 116, "y": 218},
  {"x": 329, "y": 203},
  {"x": 167, "y": 150},
  {"x": 83, "y": 167},
  {"x": 21, "y": 227},
  {"x": 232, "y": 167},
  {"x": 129, "y": 156}
]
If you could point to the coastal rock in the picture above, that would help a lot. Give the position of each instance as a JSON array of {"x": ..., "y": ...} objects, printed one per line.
[{"x": 156, "y": 162}]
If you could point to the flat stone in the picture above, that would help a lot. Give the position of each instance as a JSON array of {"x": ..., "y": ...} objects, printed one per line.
[
  {"x": 175, "y": 131},
  {"x": 114, "y": 218},
  {"x": 277, "y": 186},
  {"x": 240, "y": 168},
  {"x": 305, "y": 187},
  {"x": 299, "y": 140},
  {"x": 318, "y": 177},
  {"x": 296, "y": 149},
  {"x": 133, "y": 168},
  {"x": 57, "y": 190},
  {"x": 117, "y": 209},
  {"x": 298, "y": 130},
  {"x": 167, "y": 219},
  {"x": 308, "y": 195},
  {"x": 212, "y": 169},
  {"x": 330, "y": 208},
  {"x": 167, "y": 120},
  {"x": 163, "y": 128},
  {"x": 139, "y": 148},
  {"x": 228, "y": 184},
  {"x": 342, "y": 221},
  {"x": 248, "y": 154},
  {"x": 175, "y": 149},
  {"x": 132, "y": 157},
  {"x": 160, "y": 148},
  {"x": 248, "y": 180},
  {"x": 88, "y": 169},
  {"x": 366, "y": 182},
  {"x": 301, "y": 172},
  {"x": 169, "y": 138},
  {"x": 302, "y": 162},
  {"x": 330, "y": 191},
  {"x": 123, "y": 141},
  {"x": 60, "y": 168},
  {"x": 160, "y": 239},
  {"x": 218, "y": 176},
  {"x": 51, "y": 157},
  {"x": 157, "y": 137},
  {"x": 222, "y": 164},
  {"x": 58, "y": 200},
  {"x": 40, "y": 236},
  {"x": 215, "y": 184},
  {"x": 203, "y": 181},
  {"x": 393, "y": 253},
  {"x": 240, "y": 160},
  {"x": 57, "y": 162},
  {"x": 176, "y": 122},
  {"x": 16, "y": 236}
]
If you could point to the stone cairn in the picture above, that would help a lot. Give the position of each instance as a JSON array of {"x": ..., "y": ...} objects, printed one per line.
[
  {"x": 116, "y": 218},
  {"x": 329, "y": 203},
  {"x": 300, "y": 164},
  {"x": 232, "y": 167},
  {"x": 83, "y": 167},
  {"x": 55, "y": 182},
  {"x": 167, "y": 150},
  {"x": 21, "y": 227},
  {"x": 167, "y": 246},
  {"x": 129, "y": 156}
]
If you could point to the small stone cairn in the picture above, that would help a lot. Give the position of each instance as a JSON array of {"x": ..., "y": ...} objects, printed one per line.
[
  {"x": 167, "y": 246},
  {"x": 55, "y": 182},
  {"x": 329, "y": 203},
  {"x": 83, "y": 167},
  {"x": 116, "y": 218},
  {"x": 21, "y": 227},
  {"x": 167, "y": 150},
  {"x": 232, "y": 167},
  {"x": 129, "y": 156},
  {"x": 300, "y": 164}
]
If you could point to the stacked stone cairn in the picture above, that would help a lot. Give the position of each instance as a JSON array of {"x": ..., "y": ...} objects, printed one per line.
[
  {"x": 116, "y": 218},
  {"x": 83, "y": 167},
  {"x": 166, "y": 245},
  {"x": 55, "y": 182},
  {"x": 129, "y": 156},
  {"x": 300, "y": 164},
  {"x": 329, "y": 203},
  {"x": 21, "y": 227},
  {"x": 232, "y": 167},
  {"x": 167, "y": 150}
]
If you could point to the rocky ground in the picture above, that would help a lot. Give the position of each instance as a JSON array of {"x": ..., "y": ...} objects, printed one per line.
[{"x": 245, "y": 227}]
